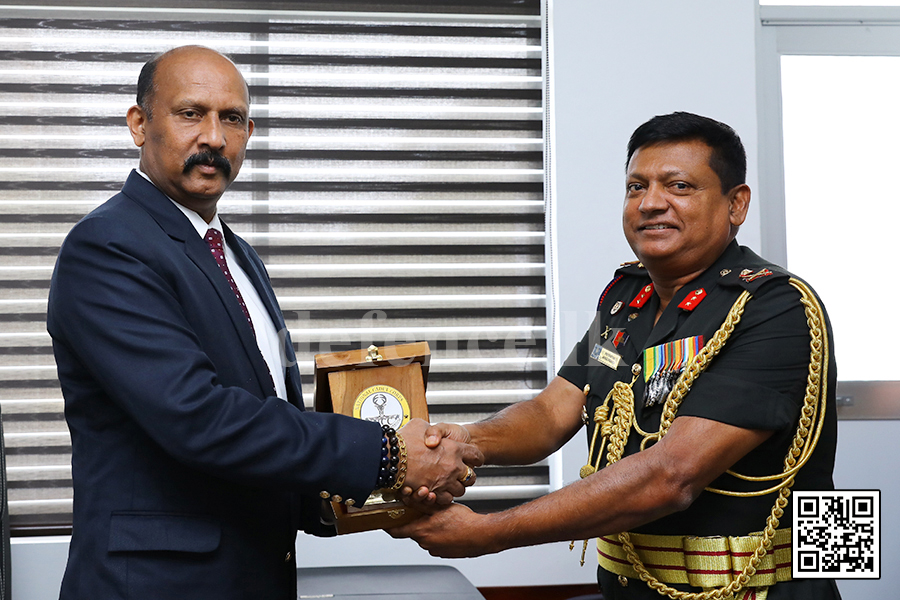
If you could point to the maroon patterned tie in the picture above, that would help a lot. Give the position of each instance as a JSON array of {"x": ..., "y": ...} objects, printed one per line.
[{"x": 217, "y": 247}]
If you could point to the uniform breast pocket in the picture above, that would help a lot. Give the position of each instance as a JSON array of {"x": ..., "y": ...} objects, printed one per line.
[{"x": 149, "y": 532}]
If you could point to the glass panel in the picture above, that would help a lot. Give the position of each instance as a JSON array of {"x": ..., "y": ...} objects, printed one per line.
[{"x": 840, "y": 157}]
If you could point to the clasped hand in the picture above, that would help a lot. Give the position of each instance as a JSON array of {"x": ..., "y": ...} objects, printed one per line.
[
  {"x": 438, "y": 467},
  {"x": 451, "y": 530}
]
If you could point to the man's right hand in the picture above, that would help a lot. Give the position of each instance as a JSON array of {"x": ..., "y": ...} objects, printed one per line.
[
  {"x": 448, "y": 433},
  {"x": 438, "y": 468}
]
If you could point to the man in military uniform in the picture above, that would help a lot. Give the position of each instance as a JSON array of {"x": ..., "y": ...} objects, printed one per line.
[{"x": 707, "y": 383}]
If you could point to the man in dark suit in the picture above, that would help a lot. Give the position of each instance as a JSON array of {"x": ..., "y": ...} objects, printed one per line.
[{"x": 193, "y": 461}]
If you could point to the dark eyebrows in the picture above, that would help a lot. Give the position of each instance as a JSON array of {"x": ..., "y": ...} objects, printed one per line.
[
  {"x": 670, "y": 174},
  {"x": 676, "y": 174},
  {"x": 241, "y": 110}
]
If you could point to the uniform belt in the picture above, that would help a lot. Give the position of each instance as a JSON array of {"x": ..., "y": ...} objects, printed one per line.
[{"x": 704, "y": 562}]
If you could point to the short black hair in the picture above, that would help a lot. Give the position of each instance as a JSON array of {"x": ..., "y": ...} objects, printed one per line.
[
  {"x": 728, "y": 158},
  {"x": 146, "y": 86}
]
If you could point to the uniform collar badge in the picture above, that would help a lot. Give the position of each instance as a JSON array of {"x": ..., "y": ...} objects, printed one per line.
[
  {"x": 642, "y": 297},
  {"x": 693, "y": 299}
]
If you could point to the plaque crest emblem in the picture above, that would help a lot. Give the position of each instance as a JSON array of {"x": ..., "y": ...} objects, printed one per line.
[
  {"x": 383, "y": 405},
  {"x": 385, "y": 385}
]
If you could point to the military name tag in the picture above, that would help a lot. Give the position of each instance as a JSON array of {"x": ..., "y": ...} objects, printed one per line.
[
  {"x": 606, "y": 357},
  {"x": 609, "y": 358}
]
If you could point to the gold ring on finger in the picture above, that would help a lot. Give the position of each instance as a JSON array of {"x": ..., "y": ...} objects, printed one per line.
[{"x": 470, "y": 473}]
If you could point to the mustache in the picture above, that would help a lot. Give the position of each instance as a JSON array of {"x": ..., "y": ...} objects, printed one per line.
[{"x": 208, "y": 158}]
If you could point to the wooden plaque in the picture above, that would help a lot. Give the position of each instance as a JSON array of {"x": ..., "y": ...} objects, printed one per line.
[{"x": 385, "y": 385}]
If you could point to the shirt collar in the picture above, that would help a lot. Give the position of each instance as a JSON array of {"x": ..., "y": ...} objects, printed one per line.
[{"x": 196, "y": 220}]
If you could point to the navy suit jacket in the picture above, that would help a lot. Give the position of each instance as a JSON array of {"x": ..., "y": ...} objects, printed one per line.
[{"x": 190, "y": 477}]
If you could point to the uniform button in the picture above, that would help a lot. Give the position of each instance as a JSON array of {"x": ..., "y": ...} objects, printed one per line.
[
  {"x": 287, "y": 557},
  {"x": 324, "y": 495}
]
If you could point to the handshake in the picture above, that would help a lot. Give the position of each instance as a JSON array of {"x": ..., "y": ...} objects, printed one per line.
[
  {"x": 441, "y": 458},
  {"x": 440, "y": 463}
]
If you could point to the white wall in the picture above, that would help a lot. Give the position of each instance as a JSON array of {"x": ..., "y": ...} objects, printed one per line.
[{"x": 615, "y": 65}]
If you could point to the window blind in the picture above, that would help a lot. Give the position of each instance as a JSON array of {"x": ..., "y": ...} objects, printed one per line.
[{"x": 393, "y": 186}]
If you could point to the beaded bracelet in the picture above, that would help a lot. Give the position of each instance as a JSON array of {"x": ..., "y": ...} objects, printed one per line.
[{"x": 391, "y": 456}]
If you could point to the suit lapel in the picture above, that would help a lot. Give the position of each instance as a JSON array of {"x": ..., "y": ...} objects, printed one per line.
[
  {"x": 256, "y": 272},
  {"x": 257, "y": 277},
  {"x": 196, "y": 249},
  {"x": 180, "y": 229}
]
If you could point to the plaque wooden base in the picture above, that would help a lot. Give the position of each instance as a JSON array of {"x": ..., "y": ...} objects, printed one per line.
[{"x": 385, "y": 385}]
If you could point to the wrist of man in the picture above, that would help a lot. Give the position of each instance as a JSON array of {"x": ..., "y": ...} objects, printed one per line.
[
  {"x": 493, "y": 529},
  {"x": 477, "y": 436}
]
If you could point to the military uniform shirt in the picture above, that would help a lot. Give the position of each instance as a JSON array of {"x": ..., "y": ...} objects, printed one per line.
[{"x": 758, "y": 381}]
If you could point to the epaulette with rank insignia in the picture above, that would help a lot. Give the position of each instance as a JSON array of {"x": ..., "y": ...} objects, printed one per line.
[
  {"x": 633, "y": 267},
  {"x": 751, "y": 278}
]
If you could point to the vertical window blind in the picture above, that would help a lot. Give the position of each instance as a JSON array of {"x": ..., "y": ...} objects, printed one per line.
[{"x": 393, "y": 186}]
